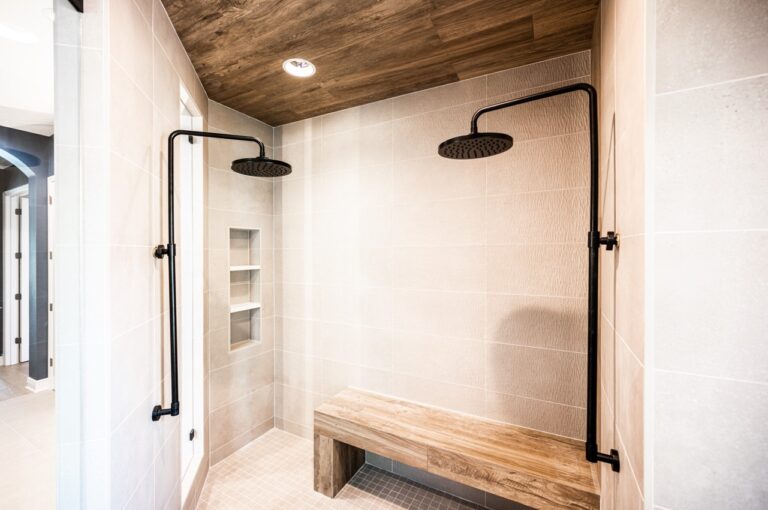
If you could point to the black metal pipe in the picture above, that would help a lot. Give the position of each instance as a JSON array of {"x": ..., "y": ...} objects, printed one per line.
[
  {"x": 593, "y": 242},
  {"x": 170, "y": 250}
]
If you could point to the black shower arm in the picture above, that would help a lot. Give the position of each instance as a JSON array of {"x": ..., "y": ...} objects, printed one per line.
[
  {"x": 170, "y": 250},
  {"x": 594, "y": 241}
]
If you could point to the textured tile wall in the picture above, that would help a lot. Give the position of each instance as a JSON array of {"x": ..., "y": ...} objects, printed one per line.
[
  {"x": 711, "y": 254},
  {"x": 457, "y": 284},
  {"x": 619, "y": 63},
  {"x": 240, "y": 383}
]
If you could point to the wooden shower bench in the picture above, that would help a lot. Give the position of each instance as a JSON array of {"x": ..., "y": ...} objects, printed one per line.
[{"x": 534, "y": 468}]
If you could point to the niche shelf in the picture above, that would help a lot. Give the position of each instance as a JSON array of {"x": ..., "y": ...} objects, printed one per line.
[{"x": 244, "y": 287}]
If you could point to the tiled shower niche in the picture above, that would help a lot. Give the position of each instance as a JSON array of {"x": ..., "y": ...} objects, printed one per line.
[{"x": 244, "y": 287}]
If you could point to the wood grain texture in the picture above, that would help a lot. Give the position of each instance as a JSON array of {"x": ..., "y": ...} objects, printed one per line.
[
  {"x": 365, "y": 50},
  {"x": 335, "y": 464},
  {"x": 531, "y": 467}
]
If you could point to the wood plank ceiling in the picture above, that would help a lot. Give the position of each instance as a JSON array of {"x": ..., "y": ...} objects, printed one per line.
[{"x": 365, "y": 50}]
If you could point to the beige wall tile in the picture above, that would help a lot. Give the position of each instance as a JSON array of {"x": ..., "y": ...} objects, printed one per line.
[
  {"x": 233, "y": 381},
  {"x": 343, "y": 120},
  {"x": 541, "y": 164},
  {"x": 441, "y": 394},
  {"x": 374, "y": 113},
  {"x": 131, "y": 220},
  {"x": 539, "y": 217},
  {"x": 445, "y": 223},
  {"x": 131, "y": 120},
  {"x": 430, "y": 100},
  {"x": 555, "y": 116},
  {"x": 607, "y": 366},
  {"x": 550, "y": 417},
  {"x": 434, "y": 178},
  {"x": 450, "y": 268},
  {"x": 629, "y": 409},
  {"x": 232, "y": 121},
  {"x": 295, "y": 405},
  {"x": 439, "y": 358},
  {"x": 629, "y": 320},
  {"x": 165, "y": 89},
  {"x": 540, "y": 73},
  {"x": 130, "y": 40},
  {"x": 457, "y": 314},
  {"x": 418, "y": 136},
  {"x": 537, "y": 321},
  {"x": 543, "y": 374},
  {"x": 299, "y": 371},
  {"x": 550, "y": 270},
  {"x": 241, "y": 415}
]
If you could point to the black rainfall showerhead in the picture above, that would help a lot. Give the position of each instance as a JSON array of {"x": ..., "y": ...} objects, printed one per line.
[
  {"x": 475, "y": 145},
  {"x": 261, "y": 167}
]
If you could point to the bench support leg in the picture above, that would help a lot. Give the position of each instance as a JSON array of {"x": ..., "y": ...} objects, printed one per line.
[{"x": 335, "y": 464}]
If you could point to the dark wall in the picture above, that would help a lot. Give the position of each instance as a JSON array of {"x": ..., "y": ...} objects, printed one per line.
[{"x": 40, "y": 161}]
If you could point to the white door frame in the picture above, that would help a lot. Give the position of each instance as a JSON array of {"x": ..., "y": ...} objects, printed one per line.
[
  {"x": 51, "y": 280},
  {"x": 192, "y": 223},
  {"x": 10, "y": 356}
]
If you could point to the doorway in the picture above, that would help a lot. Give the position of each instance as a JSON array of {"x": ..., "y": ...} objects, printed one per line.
[
  {"x": 16, "y": 276},
  {"x": 191, "y": 292}
]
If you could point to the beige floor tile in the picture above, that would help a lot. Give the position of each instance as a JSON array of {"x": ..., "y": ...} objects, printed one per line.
[{"x": 274, "y": 472}]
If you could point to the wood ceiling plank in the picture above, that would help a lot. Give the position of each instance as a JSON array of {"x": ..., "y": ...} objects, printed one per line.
[{"x": 365, "y": 50}]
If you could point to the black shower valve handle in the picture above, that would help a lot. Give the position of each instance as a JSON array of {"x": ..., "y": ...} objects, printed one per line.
[
  {"x": 610, "y": 241},
  {"x": 161, "y": 251}
]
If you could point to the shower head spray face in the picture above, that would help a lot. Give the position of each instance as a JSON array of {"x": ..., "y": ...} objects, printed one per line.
[
  {"x": 261, "y": 167},
  {"x": 475, "y": 145}
]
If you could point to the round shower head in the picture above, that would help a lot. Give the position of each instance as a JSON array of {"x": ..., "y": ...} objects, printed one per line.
[
  {"x": 261, "y": 167},
  {"x": 475, "y": 145}
]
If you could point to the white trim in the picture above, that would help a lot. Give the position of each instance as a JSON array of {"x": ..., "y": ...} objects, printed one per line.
[
  {"x": 51, "y": 218},
  {"x": 192, "y": 190},
  {"x": 7, "y": 263},
  {"x": 38, "y": 385}
]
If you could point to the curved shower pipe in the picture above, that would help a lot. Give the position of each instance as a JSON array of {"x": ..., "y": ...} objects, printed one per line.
[
  {"x": 488, "y": 143},
  {"x": 170, "y": 250}
]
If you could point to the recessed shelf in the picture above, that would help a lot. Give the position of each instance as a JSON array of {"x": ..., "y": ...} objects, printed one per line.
[
  {"x": 244, "y": 287},
  {"x": 241, "y": 307},
  {"x": 252, "y": 267}
]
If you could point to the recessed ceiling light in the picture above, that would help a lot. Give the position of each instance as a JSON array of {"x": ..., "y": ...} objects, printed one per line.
[{"x": 299, "y": 67}]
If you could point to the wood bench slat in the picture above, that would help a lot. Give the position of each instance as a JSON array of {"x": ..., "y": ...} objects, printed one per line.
[{"x": 532, "y": 467}]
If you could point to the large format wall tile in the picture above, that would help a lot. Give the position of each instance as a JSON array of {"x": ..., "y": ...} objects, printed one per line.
[
  {"x": 698, "y": 415},
  {"x": 727, "y": 338},
  {"x": 697, "y": 135},
  {"x": 721, "y": 41}
]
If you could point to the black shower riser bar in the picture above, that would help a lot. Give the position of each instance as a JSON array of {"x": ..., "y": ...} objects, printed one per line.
[
  {"x": 483, "y": 144},
  {"x": 256, "y": 167}
]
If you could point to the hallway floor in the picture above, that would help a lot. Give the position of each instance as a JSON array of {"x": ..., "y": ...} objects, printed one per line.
[
  {"x": 274, "y": 472},
  {"x": 28, "y": 446},
  {"x": 13, "y": 381}
]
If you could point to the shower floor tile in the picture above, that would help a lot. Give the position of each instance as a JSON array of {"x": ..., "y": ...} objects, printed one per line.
[{"x": 274, "y": 472}]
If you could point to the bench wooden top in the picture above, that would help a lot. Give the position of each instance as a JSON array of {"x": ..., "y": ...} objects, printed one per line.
[{"x": 532, "y": 467}]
